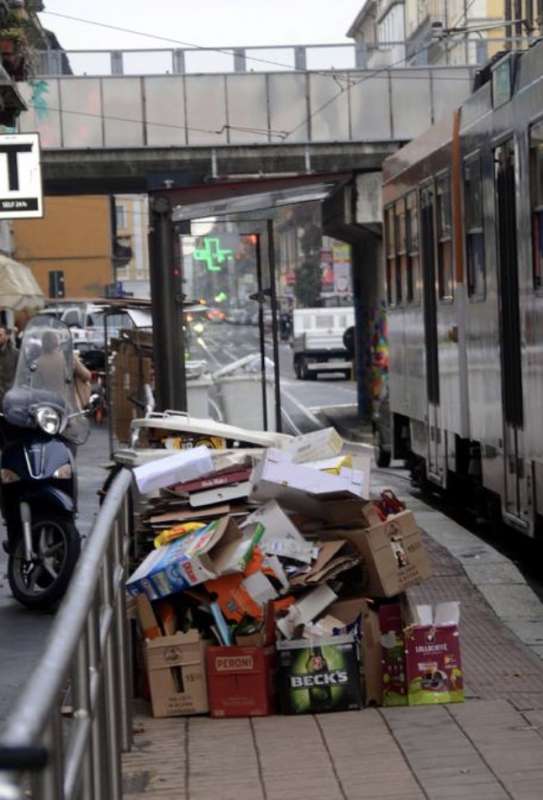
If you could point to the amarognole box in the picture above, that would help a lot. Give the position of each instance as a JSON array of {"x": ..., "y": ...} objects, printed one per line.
[{"x": 318, "y": 676}]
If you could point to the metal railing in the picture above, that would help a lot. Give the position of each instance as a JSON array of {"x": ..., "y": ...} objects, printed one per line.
[
  {"x": 73, "y": 720},
  {"x": 275, "y": 58}
]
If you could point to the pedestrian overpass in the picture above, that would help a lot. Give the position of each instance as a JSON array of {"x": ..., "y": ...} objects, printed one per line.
[{"x": 105, "y": 130}]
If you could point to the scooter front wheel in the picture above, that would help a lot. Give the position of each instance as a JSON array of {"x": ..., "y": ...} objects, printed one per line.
[{"x": 42, "y": 582}]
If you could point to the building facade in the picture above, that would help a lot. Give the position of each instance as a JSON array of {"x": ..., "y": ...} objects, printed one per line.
[
  {"x": 441, "y": 32},
  {"x": 131, "y": 250},
  {"x": 75, "y": 239}
]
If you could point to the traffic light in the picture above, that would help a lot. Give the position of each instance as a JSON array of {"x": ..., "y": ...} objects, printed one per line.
[{"x": 56, "y": 283}]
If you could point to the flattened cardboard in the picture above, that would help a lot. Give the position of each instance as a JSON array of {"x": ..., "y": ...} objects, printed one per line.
[
  {"x": 185, "y": 466},
  {"x": 224, "y": 494},
  {"x": 333, "y": 558},
  {"x": 319, "y": 444},
  {"x": 177, "y": 675},
  {"x": 306, "y": 610}
]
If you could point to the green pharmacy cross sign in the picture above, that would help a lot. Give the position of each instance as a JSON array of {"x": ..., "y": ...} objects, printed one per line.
[{"x": 213, "y": 254}]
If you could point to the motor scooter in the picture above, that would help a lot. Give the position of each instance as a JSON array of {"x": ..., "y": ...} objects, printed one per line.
[{"x": 42, "y": 428}]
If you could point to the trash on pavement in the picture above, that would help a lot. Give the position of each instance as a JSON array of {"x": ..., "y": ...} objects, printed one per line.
[{"x": 279, "y": 562}]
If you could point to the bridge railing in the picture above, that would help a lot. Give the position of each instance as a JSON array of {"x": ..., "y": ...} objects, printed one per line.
[
  {"x": 73, "y": 720},
  {"x": 447, "y": 51},
  {"x": 251, "y": 108}
]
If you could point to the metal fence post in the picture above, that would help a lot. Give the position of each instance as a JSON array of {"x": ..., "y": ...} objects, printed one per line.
[
  {"x": 361, "y": 55},
  {"x": 82, "y": 709},
  {"x": 123, "y": 649},
  {"x": 99, "y": 752},
  {"x": 111, "y": 691},
  {"x": 117, "y": 62},
  {"x": 49, "y": 784},
  {"x": 178, "y": 60},
  {"x": 240, "y": 60},
  {"x": 300, "y": 59}
]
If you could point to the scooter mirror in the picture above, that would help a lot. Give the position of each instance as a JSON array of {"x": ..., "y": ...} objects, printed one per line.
[{"x": 94, "y": 402}]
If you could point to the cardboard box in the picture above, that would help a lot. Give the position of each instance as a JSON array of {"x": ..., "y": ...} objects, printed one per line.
[
  {"x": 147, "y": 618},
  {"x": 177, "y": 675},
  {"x": 241, "y": 681},
  {"x": 391, "y": 625},
  {"x": 185, "y": 466},
  {"x": 300, "y": 488},
  {"x": 195, "y": 558},
  {"x": 432, "y": 654},
  {"x": 371, "y": 654},
  {"x": 320, "y": 676},
  {"x": 393, "y": 553}
]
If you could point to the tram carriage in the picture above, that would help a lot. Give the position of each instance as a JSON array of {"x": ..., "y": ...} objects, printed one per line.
[{"x": 463, "y": 220}]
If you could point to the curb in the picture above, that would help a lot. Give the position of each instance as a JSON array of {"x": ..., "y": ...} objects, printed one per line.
[{"x": 326, "y": 415}]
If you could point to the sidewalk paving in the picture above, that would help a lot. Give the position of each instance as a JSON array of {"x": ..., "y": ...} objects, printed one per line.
[{"x": 489, "y": 748}]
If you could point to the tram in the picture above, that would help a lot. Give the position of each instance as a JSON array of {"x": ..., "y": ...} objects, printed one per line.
[{"x": 463, "y": 221}]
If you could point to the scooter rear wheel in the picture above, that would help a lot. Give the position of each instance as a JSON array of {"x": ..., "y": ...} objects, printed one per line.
[{"x": 41, "y": 584}]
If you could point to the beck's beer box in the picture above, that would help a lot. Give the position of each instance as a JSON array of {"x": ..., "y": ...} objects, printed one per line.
[
  {"x": 319, "y": 675},
  {"x": 241, "y": 681}
]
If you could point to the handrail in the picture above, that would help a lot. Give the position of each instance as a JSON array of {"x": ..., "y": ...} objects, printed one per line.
[{"x": 87, "y": 653}]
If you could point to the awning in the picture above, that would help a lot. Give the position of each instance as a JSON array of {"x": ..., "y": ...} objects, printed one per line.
[{"x": 18, "y": 286}]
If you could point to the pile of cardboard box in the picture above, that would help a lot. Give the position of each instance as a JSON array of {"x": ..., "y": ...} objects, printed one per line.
[{"x": 282, "y": 587}]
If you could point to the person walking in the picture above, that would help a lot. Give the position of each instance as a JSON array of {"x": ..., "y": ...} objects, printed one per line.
[{"x": 8, "y": 362}]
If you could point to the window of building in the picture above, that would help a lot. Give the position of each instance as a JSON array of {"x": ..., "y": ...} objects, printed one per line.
[
  {"x": 390, "y": 254},
  {"x": 475, "y": 240},
  {"x": 120, "y": 213},
  {"x": 401, "y": 249},
  {"x": 412, "y": 277},
  {"x": 536, "y": 183},
  {"x": 445, "y": 275}
]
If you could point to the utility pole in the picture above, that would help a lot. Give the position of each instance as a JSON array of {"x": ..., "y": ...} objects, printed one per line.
[{"x": 167, "y": 308}]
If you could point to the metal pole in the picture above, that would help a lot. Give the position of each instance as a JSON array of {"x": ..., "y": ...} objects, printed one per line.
[
  {"x": 107, "y": 374},
  {"x": 167, "y": 307},
  {"x": 123, "y": 641},
  {"x": 261, "y": 331},
  {"x": 99, "y": 748},
  {"x": 48, "y": 785},
  {"x": 111, "y": 692},
  {"x": 82, "y": 703},
  {"x": 275, "y": 329}
]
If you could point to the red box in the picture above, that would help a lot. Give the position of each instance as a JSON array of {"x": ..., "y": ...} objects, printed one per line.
[{"x": 241, "y": 681}]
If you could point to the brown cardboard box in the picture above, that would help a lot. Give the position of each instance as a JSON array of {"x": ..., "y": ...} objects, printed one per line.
[
  {"x": 371, "y": 656},
  {"x": 177, "y": 675},
  {"x": 393, "y": 553}
]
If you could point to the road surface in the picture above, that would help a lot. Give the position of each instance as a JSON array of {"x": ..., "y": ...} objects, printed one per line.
[
  {"x": 224, "y": 343},
  {"x": 22, "y": 632}
]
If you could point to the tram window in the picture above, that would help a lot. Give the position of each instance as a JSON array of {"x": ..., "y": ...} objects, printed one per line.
[
  {"x": 536, "y": 181},
  {"x": 475, "y": 241},
  {"x": 444, "y": 222},
  {"x": 390, "y": 253},
  {"x": 401, "y": 249},
  {"x": 412, "y": 287}
]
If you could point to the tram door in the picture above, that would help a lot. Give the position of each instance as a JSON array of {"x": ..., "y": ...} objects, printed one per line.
[
  {"x": 511, "y": 346},
  {"x": 436, "y": 457}
]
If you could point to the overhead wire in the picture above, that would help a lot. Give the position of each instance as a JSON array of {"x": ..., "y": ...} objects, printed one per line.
[{"x": 334, "y": 75}]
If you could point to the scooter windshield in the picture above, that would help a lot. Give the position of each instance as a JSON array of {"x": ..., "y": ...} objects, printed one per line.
[{"x": 45, "y": 377}]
